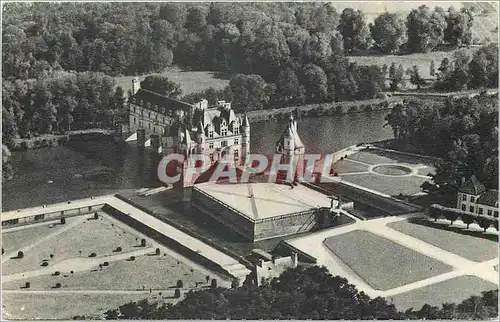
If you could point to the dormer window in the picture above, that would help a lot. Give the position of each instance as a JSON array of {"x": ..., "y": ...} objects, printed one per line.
[
  {"x": 210, "y": 133},
  {"x": 223, "y": 131},
  {"x": 236, "y": 129}
]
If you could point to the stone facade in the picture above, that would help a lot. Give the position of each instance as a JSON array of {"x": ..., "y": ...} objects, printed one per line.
[{"x": 474, "y": 198}]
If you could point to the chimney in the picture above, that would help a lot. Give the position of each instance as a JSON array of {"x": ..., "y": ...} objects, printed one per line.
[{"x": 136, "y": 85}]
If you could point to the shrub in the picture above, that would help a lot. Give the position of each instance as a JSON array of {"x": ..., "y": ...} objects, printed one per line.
[
  {"x": 143, "y": 242},
  {"x": 58, "y": 285},
  {"x": 45, "y": 264},
  {"x": 207, "y": 278},
  {"x": 93, "y": 255},
  {"x": 96, "y": 216},
  {"x": 105, "y": 264},
  {"x": 180, "y": 284},
  {"x": 3, "y": 251},
  {"x": 27, "y": 285},
  {"x": 63, "y": 221},
  {"x": 132, "y": 258},
  {"x": 71, "y": 272},
  {"x": 157, "y": 251},
  {"x": 214, "y": 283},
  {"x": 57, "y": 273},
  {"x": 20, "y": 254},
  {"x": 495, "y": 223},
  {"x": 177, "y": 293},
  {"x": 51, "y": 255},
  {"x": 118, "y": 249}
]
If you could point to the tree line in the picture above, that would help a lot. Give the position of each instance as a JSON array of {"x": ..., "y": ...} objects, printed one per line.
[
  {"x": 463, "y": 132},
  {"x": 249, "y": 38},
  {"x": 300, "y": 294},
  {"x": 436, "y": 211}
]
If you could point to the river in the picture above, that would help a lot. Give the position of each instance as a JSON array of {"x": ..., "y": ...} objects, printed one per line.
[{"x": 92, "y": 168}]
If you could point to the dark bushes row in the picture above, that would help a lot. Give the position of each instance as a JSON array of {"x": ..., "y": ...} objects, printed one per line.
[{"x": 437, "y": 211}]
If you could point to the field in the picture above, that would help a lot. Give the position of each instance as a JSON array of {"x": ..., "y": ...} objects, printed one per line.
[
  {"x": 476, "y": 249},
  {"x": 89, "y": 286},
  {"x": 454, "y": 290},
  {"x": 191, "y": 82},
  {"x": 382, "y": 263},
  {"x": 392, "y": 186},
  {"x": 47, "y": 306},
  {"x": 14, "y": 241}
]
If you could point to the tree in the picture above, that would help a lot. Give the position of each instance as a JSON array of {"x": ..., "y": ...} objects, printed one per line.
[
  {"x": 213, "y": 283},
  {"x": 157, "y": 251},
  {"x": 415, "y": 77},
  {"x": 396, "y": 76},
  {"x": 27, "y": 285},
  {"x": 388, "y": 32},
  {"x": 484, "y": 67},
  {"x": 111, "y": 314},
  {"x": 315, "y": 83},
  {"x": 249, "y": 92},
  {"x": 467, "y": 219},
  {"x": 484, "y": 222},
  {"x": 177, "y": 293},
  {"x": 162, "y": 86},
  {"x": 434, "y": 212},
  {"x": 432, "y": 69},
  {"x": 458, "y": 30},
  {"x": 425, "y": 29},
  {"x": 143, "y": 242},
  {"x": 353, "y": 28},
  {"x": 20, "y": 254},
  {"x": 63, "y": 221},
  {"x": 289, "y": 91},
  {"x": 7, "y": 172},
  {"x": 180, "y": 284}
]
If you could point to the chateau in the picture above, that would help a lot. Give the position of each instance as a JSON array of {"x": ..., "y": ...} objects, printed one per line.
[
  {"x": 173, "y": 126},
  {"x": 474, "y": 198}
]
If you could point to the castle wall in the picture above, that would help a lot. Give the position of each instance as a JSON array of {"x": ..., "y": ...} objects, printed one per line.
[{"x": 284, "y": 225}]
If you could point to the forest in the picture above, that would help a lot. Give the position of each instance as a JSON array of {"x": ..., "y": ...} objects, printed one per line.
[
  {"x": 59, "y": 58},
  {"x": 301, "y": 294},
  {"x": 463, "y": 132}
]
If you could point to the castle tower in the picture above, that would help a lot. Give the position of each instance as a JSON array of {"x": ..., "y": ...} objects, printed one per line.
[
  {"x": 245, "y": 138},
  {"x": 292, "y": 149}
]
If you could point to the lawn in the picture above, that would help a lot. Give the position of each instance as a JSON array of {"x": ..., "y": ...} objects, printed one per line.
[
  {"x": 14, "y": 240},
  {"x": 371, "y": 158},
  {"x": 454, "y": 290},
  {"x": 346, "y": 166},
  {"x": 66, "y": 306},
  {"x": 470, "y": 247},
  {"x": 392, "y": 186},
  {"x": 100, "y": 236},
  {"x": 156, "y": 272},
  {"x": 191, "y": 82},
  {"x": 382, "y": 263},
  {"x": 426, "y": 171}
]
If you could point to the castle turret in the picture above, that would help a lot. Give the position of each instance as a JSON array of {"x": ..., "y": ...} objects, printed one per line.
[
  {"x": 245, "y": 137},
  {"x": 292, "y": 149}
]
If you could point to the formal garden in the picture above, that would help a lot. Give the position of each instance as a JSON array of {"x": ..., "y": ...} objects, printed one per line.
[{"x": 392, "y": 266}]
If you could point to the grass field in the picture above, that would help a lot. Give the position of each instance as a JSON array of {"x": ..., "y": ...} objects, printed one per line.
[
  {"x": 454, "y": 290},
  {"x": 382, "y": 263},
  {"x": 156, "y": 272},
  {"x": 92, "y": 236},
  {"x": 392, "y": 170},
  {"x": 470, "y": 247},
  {"x": 13, "y": 241},
  {"x": 392, "y": 186},
  {"x": 191, "y": 82},
  {"x": 66, "y": 306}
]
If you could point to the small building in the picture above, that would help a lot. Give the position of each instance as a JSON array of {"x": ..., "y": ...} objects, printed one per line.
[
  {"x": 475, "y": 199},
  {"x": 268, "y": 266}
]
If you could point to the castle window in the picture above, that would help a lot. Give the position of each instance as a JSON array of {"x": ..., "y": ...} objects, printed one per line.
[
  {"x": 223, "y": 131},
  {"x": 464, "y": 207},
  {"x": 236, "y": 154},
  {"x": 489, "y": 212},
  {"x": 495, "y": 214},
  {"x": 210, "y": 133},
  {"x": 471, "y": 209},
  {"x": 211, "y": 156},
  {"x": 154, "y": 129},
  {"x": 223, "y": 144},
  {"x": 236, "y": 130},
  {"x": 472, "y": 199},
  {"x": 480, "y": 210},
  {"x": 236, "y": 141},
  {"x": 464, "y": 197},
  {"x": 135, "y": 120},
  {"x": 211, "y": 145}
]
